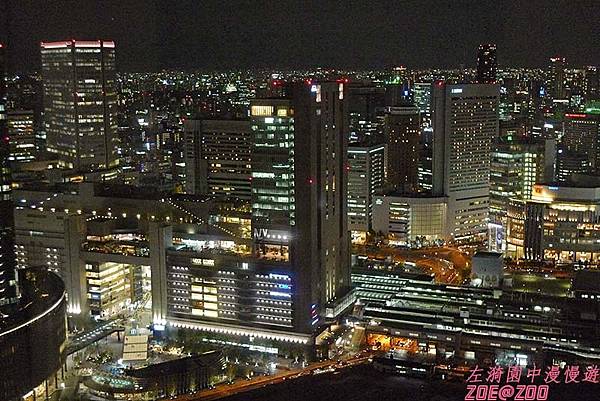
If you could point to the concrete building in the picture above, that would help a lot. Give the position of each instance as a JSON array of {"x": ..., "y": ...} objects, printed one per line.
[
  {"x": 33, "y": 338},
  {"x": 366, "y": 176},
  {"x": 581, "y": 139},
  {"x": 515, "y": 167},
  {"x": 406, "y": 219},
  {"x": 299, "y": 190},
  {"x": 465, "y": 121},
  {"x": 402, "y": 135},
  {"x": 560, "y": 222},
  {"x": 217, "y": 157},
  {"x": 80, "y": 102},
  {"x": 23, "y": 141},
  {"x": 408, "y": 314}
]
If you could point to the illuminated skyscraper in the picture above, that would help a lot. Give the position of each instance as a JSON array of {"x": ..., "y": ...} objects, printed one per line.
[
  {"x": 556, "y": 77},
  {"x": 487, "y": 64},
  {"x": 80, "y": 102},
  {"x": 299, "y": 184},
  {"x": 465, "y": 121},
  {"x": 402, "y": 136}
]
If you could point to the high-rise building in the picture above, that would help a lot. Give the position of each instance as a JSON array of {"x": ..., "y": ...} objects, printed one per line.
[
  {"x": 582, "y": 136},
  {"x": 366, "y": 176},
  {"x": 7, "y": 264},
  {"x": 487, "y": 64},
  {"x": 465, "y": 121},
  {"x": 23, "y": 141},
  {"x": 422, "y": 98},
  {"x": 556, "y": 77},
  {"x": 365, "y": 104},
  {"x": 299, "y": 189},
  {"x": 217, "y": 157},
  {"x": 402, "y": 136},
  {"x": 80, "y": 102}
]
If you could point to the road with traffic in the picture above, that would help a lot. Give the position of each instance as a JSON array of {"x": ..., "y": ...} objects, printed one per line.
[{"x": 241, "y": 386}]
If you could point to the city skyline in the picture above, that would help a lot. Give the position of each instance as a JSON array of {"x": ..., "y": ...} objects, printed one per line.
[
  {"x": 156, "y": 35},
  {"x": 229, "y": 216}
]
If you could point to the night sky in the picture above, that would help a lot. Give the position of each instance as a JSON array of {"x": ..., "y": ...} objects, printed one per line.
[{"x": 151, "y": 35}]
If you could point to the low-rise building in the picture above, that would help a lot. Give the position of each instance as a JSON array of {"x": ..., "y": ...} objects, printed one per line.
[{"x": 405, "y": 218}]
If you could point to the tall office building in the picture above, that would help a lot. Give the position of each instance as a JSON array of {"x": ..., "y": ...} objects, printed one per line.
[
  {"x": 217, "y": 157},
  {"x": 80, "y": 102},
  {"x": 7, "y": 265},
  {"x": 581, "y": 135},
  {"x": 366, "y": 176},
  {"x": 487, "y": 64},
  {"x": 465, "y": 121},
  {"x": 402, "y": 136},
  {"x": 556, "y": 77},
  {"x": 299, "y": 184}
]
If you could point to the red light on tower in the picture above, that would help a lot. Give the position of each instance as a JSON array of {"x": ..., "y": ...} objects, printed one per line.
[{"x": 311, "y": 181}]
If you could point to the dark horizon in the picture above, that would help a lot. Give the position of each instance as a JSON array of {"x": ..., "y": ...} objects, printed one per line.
[{"x": 186, "y": 35}]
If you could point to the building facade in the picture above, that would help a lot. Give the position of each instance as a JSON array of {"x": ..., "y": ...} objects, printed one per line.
[
  {"x": 299, "y": 190},
  {"x": 407, "y": 219},
  {"x": 80, "y": 102},
  {"x": 366, "y": 176},
  {"x": 23, "y": 140},
  {"x": 487, "y": 64},
  {"x": 560, "y": 222},
  {"x": 465, "y": 121},
  {"x": 217, "y": 157},
  {"x": 402, "y": 136}
]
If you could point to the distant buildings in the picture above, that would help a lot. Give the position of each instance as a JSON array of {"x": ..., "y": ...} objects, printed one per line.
[
  {"x": 218, "y": 157},
  {"x": 487, "y": 64},
  {"x": 465, "y": 121},
  {"x": 80, "y": 102}
]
